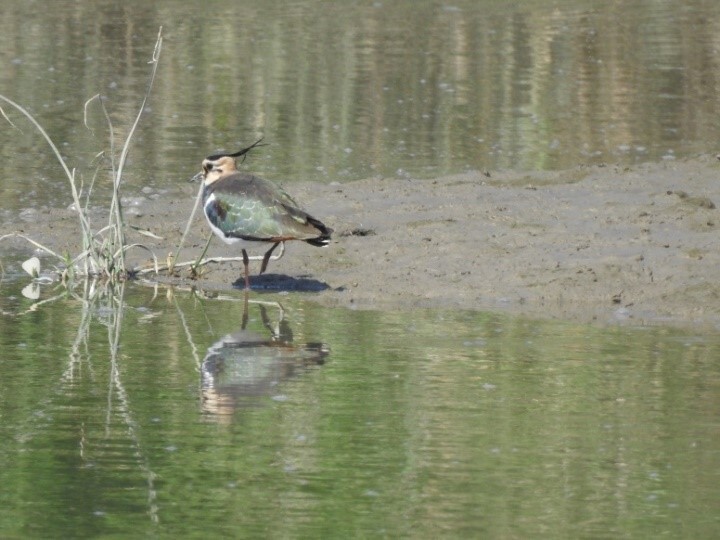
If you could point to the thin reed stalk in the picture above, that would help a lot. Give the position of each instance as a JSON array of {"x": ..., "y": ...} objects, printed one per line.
[{"x": 103, "y": 252}]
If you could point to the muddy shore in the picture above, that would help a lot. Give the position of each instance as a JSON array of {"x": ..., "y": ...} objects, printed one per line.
[{"x": 607, "y": 244}]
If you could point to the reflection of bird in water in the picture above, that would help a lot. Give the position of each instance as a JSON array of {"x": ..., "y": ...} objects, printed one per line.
[{"x": 246, "y": 365}]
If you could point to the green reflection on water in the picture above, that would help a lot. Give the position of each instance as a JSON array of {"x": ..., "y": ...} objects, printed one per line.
[
  {"x": 430, "y": 423},
  {"x": 351, "y": 90}
]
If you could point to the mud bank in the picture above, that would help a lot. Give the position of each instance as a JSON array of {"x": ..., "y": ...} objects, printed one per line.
[{"x": 603, "y": 244}]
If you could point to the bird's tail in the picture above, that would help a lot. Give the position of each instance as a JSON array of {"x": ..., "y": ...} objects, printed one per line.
[{"x": 325, "y": 233}]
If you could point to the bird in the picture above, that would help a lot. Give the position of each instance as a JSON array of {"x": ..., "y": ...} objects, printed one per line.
[{"x": 248, "y": 211}]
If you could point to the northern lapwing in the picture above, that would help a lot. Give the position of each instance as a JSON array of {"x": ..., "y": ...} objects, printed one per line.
[{"x": 248, "y": 211}]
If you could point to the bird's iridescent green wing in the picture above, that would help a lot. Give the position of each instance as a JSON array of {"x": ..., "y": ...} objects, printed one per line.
[{"x": 249, "y": 207}]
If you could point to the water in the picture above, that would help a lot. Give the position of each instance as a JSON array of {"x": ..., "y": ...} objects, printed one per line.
[
  {"x": 156, "y": 413},
  {"x": 337, "y": 423},
  {"x": 347, "y": 91}
]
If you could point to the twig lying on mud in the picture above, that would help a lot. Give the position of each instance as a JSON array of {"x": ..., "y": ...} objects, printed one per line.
[{"x": 193, "y": 264}]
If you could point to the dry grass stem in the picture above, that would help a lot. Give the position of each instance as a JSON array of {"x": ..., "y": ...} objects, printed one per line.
[{"x": 103, "y": 251}]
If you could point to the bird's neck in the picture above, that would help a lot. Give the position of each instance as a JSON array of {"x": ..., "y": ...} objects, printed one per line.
[{"x": 206, "y": 191}]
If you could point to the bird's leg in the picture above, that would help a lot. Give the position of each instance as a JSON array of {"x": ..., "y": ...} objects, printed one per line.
[
  {"x": 245, "y": 310},
  {"x": 246, "y": 263},
  {"x": 266, "y": 258}
]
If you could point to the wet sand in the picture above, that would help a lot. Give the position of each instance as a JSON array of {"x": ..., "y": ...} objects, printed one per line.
[{"x": 634, "y": 245}]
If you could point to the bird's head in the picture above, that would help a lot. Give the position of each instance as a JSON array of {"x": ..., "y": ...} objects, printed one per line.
[
  {"x": 218, "y": 165},
  {"x": 215, "y": 167}
]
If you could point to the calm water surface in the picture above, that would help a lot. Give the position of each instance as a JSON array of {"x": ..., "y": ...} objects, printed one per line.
[
  {"x": 146, "y": 413},
  {"x": 152, "y": 413},
  {"x": 350, "y": 90}
]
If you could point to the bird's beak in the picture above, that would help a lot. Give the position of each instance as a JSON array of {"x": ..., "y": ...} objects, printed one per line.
[{"x": 197, "y": 177}]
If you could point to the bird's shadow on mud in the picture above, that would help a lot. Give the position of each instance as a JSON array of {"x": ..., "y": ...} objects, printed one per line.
[{"x": 280, "y": 282}]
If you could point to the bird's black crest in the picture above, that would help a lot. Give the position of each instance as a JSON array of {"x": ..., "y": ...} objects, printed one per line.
[{"x": 239, "y": 153}]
